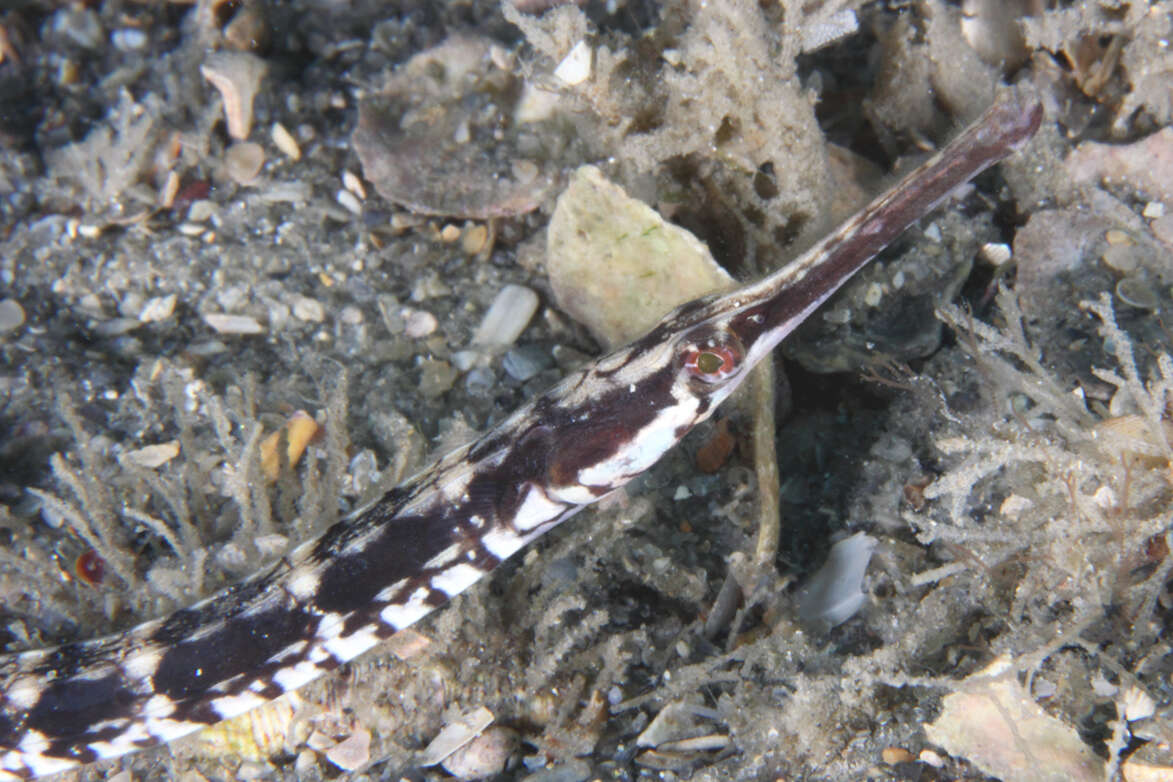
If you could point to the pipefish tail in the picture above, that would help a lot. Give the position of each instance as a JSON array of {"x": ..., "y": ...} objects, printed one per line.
[{"x": 385, "y": 567}]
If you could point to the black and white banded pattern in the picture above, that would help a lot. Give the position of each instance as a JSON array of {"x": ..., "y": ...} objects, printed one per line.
[{"x": 422, "y": 543}]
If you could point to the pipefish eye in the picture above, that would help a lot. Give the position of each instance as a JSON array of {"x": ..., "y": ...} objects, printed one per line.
[{"x": 713, "y": 360}]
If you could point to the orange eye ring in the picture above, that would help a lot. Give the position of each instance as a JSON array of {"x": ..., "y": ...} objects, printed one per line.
[{"x": 712, "y": 363}]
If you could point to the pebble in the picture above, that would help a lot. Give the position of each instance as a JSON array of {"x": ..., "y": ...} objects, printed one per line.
[
  {"x": 419, "y": 323},
  {"x": 894, "y": 755},
  {"x": 522, "y": 363},
  {"x": 284, "y": 141},
  {"x": 243, "y": 162},
  {"x": 308, "y": 310},
  {"x": 128, "y": 40},
  {"x": 348, "y": 201},
  {"x": 200, "y": 210},
  {"x": 475, "y": 239},
  {"x": 11, "y": 315},
  {"x": 352, "y": 183},
  {"x": 233, "y": 324},
  {"x": 464, "y": 360},
  {"x": 507, "y": 317},
  {"x": 436, "y": 377},
  {"x": 157, "y": 309}
]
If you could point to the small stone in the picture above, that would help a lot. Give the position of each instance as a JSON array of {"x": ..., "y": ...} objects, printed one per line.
[
  {"x": 479, "y": 382},
  {"x": 436, "y": 377},
  {"x": 475, "y": 239},
  {"x": 128, "y": 40},
  {"x": 419, "y": 323},
  {"x": 233, "y": 324},
  {"x": 1105, "y": 498},
  {"x": 1154, "y": 209},
  {"x": 243, "y": 162},
  {"x": 285, "y": 141},
  {"x": 352, "y": 183},
  {"x": 449, "y": 233},
  {"x": 11, "y": 315},
  {"x": 524, "y": 362},
  {"x": 352, "y": 753},
  {"x": 351, "y": 315},
  {"x": 1014, "y": 506},
  {"x": 930, "y": 758},
  {"x": 348, "y": 201},
  {"x": 297, "y": 432},
  {"x": 200, "y": 210},
  {"x": 507, "y": 317},
  {"x": 308, "y": 310},
  {"x": 874, "y": 295},
  {"x": 894, "y": 755},
  {"x": 157, "y": 309}
]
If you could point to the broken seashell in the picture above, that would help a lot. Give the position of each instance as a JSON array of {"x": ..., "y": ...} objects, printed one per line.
[{"x": 238, "y": 77}]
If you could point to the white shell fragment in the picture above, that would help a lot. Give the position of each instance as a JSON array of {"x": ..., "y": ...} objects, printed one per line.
[
  {"x": 233, "y": 324},
  {"x": 484, "y": 756},
  {"x": 575, "y": 67},
  {"x": 675, "y": 722},
  {"x": 151, "y": 456},
  {"x": 455, "y": 735},
  {"x": 238, "y": 76},
  {"x": 833, "y": 594},
  {"x": 507, "y": 317},
  {"x": 993, "y": 721},
  {"x": 353, "y": 752}
]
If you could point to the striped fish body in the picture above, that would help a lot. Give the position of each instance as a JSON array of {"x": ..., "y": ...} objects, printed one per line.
[{"x": 434, "y": 536}]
